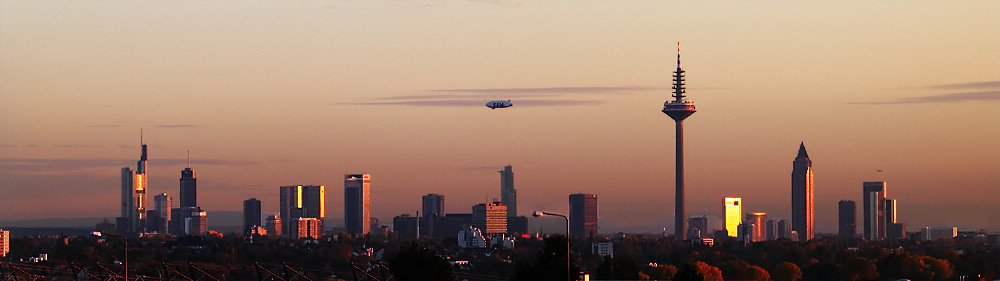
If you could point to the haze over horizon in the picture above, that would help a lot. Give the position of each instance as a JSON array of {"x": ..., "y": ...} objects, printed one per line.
[{"x": 272, "y": 93}]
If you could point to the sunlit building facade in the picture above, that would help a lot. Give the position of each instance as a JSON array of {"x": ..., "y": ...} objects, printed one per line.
[
  {"x": 759, "y": 220},
  {"x": 873, "y": 194},
  {"x": 308, "y": 228},
  {"x": 802, "y": 195},
  {"x": 163, "y": 205},
  {"x": 357, "y": 203},
  {"x": 733, "y": 214},
  {"x": 301, "y": 201},
  {"x": 4, "y": 242},
  {"x": 490, "y": 218}
]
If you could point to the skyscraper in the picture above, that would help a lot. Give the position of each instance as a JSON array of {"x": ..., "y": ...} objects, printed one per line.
[
  {"x": 848, "y": 219},
  {"x": 802, "y": 195},
  {"x": 508, "y": 195},
  {"x": 890, "y": 211},
  {"x": 301, "y": 201},
  {"x": 189, "y": 189},
  {"x": 699, "y": 226},
  {"x": 583, "y": 215},
  {"x": 733, "y": 210},
  {"x": 4, "y": 243},
  {"x": 491, "y": 219},
  {"x": 357, "y": 208},
  {"x": 433, "y": 205},
  {"x": 140, "y": 184},
  {"x": 759, "y": 220},
  {"x": 679, "y": 109},
  {"x": 163, "y": 206},
  {"x": 873, "y": 195},
  {"x": 123, "y": 222},
  {"x": 251, "y": 213}
]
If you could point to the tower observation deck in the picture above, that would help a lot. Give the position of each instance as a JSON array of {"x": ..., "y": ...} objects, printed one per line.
[{"x": 679, "y": 109}]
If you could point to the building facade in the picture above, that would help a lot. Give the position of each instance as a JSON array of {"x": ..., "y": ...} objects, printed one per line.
[
  {"x": 802, "y": 195},
  {"x": 490, "y": 218},
  {"x": 583, "y": 215},
  {"x": 733, "y": 214},
  {"x": 873, "y": 194},
  {"x": 301, "y": 201},
  {"x": 508, "y": 194},
  {"x": 698, "y": 227},
  {"x": 163, "y": 205},
  {"x": 357, "y": 204},
  {"x": 251, "y": 213},
  {"x": 759, "y": 220},
  {"x": 433, "y": 205},
  {"x": 4, "y": 243},
  {"x": 189, "y": 189},
  {"x": 847, "y": 222}
]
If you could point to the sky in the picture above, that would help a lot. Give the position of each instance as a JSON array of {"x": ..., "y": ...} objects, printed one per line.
[{"x": 272, "y": 93}]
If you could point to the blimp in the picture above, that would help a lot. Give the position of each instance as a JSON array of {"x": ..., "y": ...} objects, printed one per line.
[{"x": 499, "y": 104}]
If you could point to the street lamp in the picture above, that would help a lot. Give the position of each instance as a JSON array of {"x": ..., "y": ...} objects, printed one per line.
[
  {"x": 99, "y": 234},
  {"x": 536, "y": 214}
]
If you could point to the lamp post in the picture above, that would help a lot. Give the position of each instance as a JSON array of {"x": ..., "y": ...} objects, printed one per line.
[
  {"x": 569, "y": 276},
  {"x": 125, "y": 263}
]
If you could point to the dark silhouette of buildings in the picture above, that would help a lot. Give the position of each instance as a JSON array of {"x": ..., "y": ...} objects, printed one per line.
[
  {"x": 508, "y": 194},
  {"x": 847, "y": 212},
  {"x": 433, "y": 205},
  {"x": 802, "y": 195},
  {"x": 873, "y": 194},
  {"x": 583, "y": 215},
  {"x": 251, "y": 213},
  {"x": 698, "y": 227},
  {"x": 679, "y": 109},
  {"x": 189, "y": 189},
  {"x": 357, "y": 206}
]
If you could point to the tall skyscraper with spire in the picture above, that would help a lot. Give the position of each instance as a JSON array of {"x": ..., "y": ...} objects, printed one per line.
[
  {"x": 134, "y": 195},
  {"x": 508, "y": 195},
  {"x": 679, "y": 109},
  {"x": 802, "y": 195},
  {"x": 189, "y": 186}
]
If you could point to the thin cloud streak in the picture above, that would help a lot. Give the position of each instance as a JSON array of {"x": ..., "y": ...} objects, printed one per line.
[
  {"x": 970, "y": 85},
  {"x": 945, "y": 98},
  {"x": 177, "y": 126},
  {"x": 28, "y": 165},
  {"x": 551, "y": 90},
  {"x": 464, "y": 103}
]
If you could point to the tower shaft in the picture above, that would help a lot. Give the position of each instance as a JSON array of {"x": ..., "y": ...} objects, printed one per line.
[{"x": 680, "y": 229}]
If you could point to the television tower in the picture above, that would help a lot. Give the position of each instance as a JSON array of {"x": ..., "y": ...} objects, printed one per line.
[{"x": 679, "y": 109}]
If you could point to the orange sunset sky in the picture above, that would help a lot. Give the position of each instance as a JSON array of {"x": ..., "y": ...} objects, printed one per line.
[{"x": 271, "y": 93}]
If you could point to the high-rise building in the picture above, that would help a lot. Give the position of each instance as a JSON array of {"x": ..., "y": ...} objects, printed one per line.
[
  {"x": 308, "y": 228},
  {"x": 890, "y": 211},
  {"x": 772, "y": 230},
  {"x": 433, "y": 205},
  {"x": 196, "y": 222},
  {"x": 679, "y": 109},
  {"x": 583, "y": 215},
  {"x": 301, "y": 201},
  {"x": 508, "y": 195},
  {"x": 802, "y": 195},
  {"x": 123, "y": 222},
  {"x": 848, "y": 219},
  {"x": 784, "y": 230},
  {"x": 759, "y": 220},
  {"x": 4, "y": 243},
  {"x": 698, "y": 227},
  {"x": 873, "y": 195},
  {"x": 895, "y": 231},
  {"x": 162, "y": 202},
  {"x": 357, "y": 205},
  {"x": 490, "y": 218},
  {"x": 733, "y": 210},
  {"x": 189, "y": 189},
  {"x": 251, "y": 213},
  {"x": 273, "y": 225}
]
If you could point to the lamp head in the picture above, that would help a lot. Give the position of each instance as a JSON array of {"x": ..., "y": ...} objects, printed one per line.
[
  {"x": 96, "y": 234},
  {"x": 537, "y": 214}
]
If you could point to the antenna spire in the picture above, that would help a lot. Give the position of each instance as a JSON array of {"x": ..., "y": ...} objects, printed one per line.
[
  {"x": 678, "y": 87},
  {"x": 189, "y": 158},
  {"x": 140, "y": 136}
]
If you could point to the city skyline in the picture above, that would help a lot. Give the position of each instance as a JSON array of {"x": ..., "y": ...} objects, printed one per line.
[{"x": 871, "y": 86}]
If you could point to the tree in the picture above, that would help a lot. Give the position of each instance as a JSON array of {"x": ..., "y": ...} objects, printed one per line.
[
  {"x": 860, "y": 268},
  {"x": 660, "y": 271},
  {"x": 413, "y": 262},
  {"x": 786, "y": 271},
  {"x": 698, "y": 271},
  {"x": 622, "y": 267},
  {"x": 754, "y": 272},
  {"x": 549, "y": 264}
]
